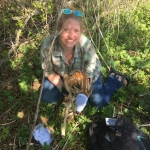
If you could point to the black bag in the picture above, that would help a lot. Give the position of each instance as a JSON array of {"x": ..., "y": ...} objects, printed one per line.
[{"x": 124, "y": 135}]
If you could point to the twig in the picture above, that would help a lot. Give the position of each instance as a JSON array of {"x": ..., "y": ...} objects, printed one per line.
[
  {"x": 57, "y": 146},
  {"x": 144, "y": 94},
  {"x": 37, "y": 110},
  {"x": 70, "y": 135},
  {"x": 14, "y": 144},
  {"x": 7, "y": 123},
  {"x": 63, "y": 129},
  {"x": 145, "y": 125},
  {"x": 114, "y": 112},
  {"x": 8, "y": 110}
]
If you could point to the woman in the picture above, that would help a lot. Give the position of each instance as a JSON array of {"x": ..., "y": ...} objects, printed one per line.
[{"x": 71, "y": 51}]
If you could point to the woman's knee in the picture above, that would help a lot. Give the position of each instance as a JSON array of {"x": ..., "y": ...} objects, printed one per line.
[
  {"x": 97, "y": 101},
  {"x": 50, "y": 93}
]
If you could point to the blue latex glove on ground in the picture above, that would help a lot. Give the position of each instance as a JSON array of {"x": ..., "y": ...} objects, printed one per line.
[{"x": 42, "y": 134}]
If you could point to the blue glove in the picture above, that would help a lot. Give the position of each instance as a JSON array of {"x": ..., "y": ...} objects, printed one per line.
[{"x": 80, "y": 101}]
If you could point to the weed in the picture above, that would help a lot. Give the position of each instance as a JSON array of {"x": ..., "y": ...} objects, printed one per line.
[{"x": 120, "y": 32}]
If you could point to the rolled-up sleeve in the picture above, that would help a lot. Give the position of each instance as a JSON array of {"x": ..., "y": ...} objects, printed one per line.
[
  {"x": 92, "y": 63},
  {"x": 91, "y": 60}
]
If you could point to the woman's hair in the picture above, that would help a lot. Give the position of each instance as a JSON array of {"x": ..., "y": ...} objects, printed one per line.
[{"x": 63, "y": 17}]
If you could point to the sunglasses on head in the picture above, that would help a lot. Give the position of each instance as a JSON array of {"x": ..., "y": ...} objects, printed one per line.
[{"x": 69, "y": 11}]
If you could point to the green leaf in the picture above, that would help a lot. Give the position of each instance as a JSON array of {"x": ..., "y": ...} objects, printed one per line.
[
  {"x": 132, "y": 61},
  {"x": 6, "y": 92},
  {"x": 117, "y": 63},
  {"x": 11, "y": 98},
  {"x": 24, "y": 86},
  {"x": 145, "y": 64},
  {"x": 5, "y": 132},
  {"x": 24, "y": 83}
]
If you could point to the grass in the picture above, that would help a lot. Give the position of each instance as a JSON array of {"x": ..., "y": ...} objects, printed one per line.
[{"x": 120, "y": 34}]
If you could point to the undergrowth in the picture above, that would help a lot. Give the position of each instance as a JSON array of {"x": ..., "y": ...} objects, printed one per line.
[{"x": 120, "y": 32}]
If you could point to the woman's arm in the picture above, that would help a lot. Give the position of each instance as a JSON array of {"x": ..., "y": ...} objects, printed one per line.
[
  {"x": 91, "y": 60},
  {"x": 47, "y": 64}
]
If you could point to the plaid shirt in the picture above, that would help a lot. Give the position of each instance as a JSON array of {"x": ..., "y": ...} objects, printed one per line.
[{"x": 85, "y": 58}]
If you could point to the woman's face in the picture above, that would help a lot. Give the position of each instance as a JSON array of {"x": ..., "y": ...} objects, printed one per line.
[{"x": 70, "y": 35}]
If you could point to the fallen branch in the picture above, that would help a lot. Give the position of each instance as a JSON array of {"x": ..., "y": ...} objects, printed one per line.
[
  {"x": 145, "y": 125},
  {"x": 37, "y": 110},
  {"x": 39, "y": 99}
]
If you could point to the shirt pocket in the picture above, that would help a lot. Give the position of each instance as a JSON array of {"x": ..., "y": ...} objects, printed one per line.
[
  {"x": 77, "y": 65},
  {"x": 57, "y": 63}
]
